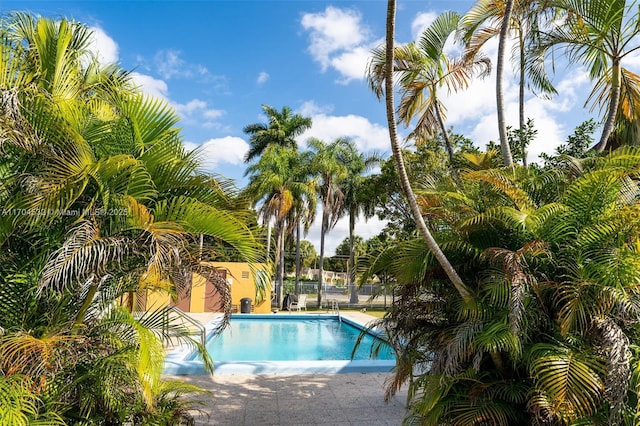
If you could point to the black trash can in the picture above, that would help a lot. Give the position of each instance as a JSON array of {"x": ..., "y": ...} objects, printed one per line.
[{"x": 245, "y": 305}]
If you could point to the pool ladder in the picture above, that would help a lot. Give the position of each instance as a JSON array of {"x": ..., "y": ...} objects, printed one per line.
[
  {"x": 335, "y": 309},
  {"x": 167, "y": 310}
]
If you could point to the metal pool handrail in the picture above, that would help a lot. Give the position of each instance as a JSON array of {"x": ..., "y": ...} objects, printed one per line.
[
  {"x": 202, "y": 331},
  {"x": 335, "y": 308}
]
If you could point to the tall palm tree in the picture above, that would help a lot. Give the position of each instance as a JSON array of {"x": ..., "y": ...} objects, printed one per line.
[
  {"x": 598, "y": 34},
  {"x": 331, "y": 172},
  {"x": 422, "y": 69},
  {"x": 502, "y": 47},
  {"x": 282, "y": 129},
  {"x": 276, "y": 181},
  {"x": 355, "y": 202},
  {"x": 397, "y": 155},
  {"x": 303, "y": 213},
  {"x": 487, "y": 19}
]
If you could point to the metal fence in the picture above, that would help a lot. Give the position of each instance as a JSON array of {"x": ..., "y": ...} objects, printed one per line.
[{"x": 341, "y": 294}]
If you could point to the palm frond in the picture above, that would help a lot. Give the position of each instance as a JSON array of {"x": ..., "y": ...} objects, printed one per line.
[
  {"x": 568, "y": 386},
  {"x": 84, "y": 254}
]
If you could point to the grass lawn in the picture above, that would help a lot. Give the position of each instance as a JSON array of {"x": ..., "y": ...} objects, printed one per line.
[{"x": 376, "y": 313}]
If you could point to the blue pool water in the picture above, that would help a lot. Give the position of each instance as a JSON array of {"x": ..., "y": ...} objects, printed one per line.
[{"x": 292, "y": 339}]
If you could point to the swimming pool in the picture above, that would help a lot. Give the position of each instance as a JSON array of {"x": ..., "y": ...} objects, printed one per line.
[{"x": 260, "y": 344}]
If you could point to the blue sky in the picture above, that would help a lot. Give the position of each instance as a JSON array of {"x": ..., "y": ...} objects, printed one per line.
[{"x": 217, "y": 62}]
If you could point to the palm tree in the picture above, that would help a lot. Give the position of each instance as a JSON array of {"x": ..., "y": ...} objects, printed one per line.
[
  {"x": 330, "y": 171},
  {"x": 118, "y": 204},
  {"x": 397, "y": 155},
  {"x": 302, "y": 215},
  {"x": 546, "y": 298},
  {"x": 598, "y": 34},
  {"x": 282, "y": 129},
  {"x": 276, "y": 180},
  {"x": 488, "y": 19},
  {"x": 357, "y": 164},
  {"x": 422, "y": 69},
  {"x": 502, "y": 47}
]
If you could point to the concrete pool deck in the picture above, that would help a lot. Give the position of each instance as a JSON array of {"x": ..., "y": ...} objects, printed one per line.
[{"x": 298, "y": 399}]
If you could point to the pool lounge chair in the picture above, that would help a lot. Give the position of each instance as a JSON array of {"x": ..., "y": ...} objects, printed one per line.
[{"x": 301, "y": 303}]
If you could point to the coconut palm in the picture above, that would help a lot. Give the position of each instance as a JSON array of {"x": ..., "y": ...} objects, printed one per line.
[
  {"x": 600, "y": 35},
  {"x": 282, "y": 129},
  {"x": 487, "y": 19},
  {"x": 330, "y": 171},
  {"x": 355, "y": 202},
  {"x": 303, "y": 213},
  {"x": 276, "y": 181},
  {"x": 387, "y": 74},
  {"x": 502, "y": 47},
  {"x": 422, "y": 69}
]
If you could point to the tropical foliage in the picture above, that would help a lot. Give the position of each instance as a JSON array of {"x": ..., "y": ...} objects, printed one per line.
[
  {"x": 424, "y": 68},
  {"x": 599, "y": 34},
  {"x": 279, "y": 183},
  {"x": 100, "y": 202},
  {"x": 549, "y": 333},
  {"x": 540, "y": 324}
]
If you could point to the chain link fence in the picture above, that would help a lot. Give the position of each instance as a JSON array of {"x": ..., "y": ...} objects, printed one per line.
[{"x": 369, "y": 295}]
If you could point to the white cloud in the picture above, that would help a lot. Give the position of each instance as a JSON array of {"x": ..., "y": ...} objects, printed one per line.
[
  {"x": 169, "y": 64},
  {"x": 352, "y": 64},
  {"x": 364, "y": 228},
  {"x": 197, "y": 111},
  {"x": 338, "y": 39},
  {"x": 190, "y": 107},
  {"x": 103, "y": 46},
  {"x": 229, "y": 150},
  {"x": 421, "y": 22},
  {"x": 366, "y": 135},
  {"x": 213, "y": 113},
  {"x": 151, "y": 86},
  {"x": 263, "y": 77},
  {"x": 332, "y": 30},
  {"x": 310, "y": 108}
]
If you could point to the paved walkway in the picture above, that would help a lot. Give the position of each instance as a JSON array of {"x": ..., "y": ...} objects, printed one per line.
[{"x": 296, "y": 400}]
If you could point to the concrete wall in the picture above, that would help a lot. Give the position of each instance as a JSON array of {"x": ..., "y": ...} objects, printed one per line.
[
  {"x": 243, "y": 284},
  {"x": 239, "y": 276}
]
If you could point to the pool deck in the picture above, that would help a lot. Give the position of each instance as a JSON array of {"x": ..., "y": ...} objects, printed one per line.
[{"x": 298, "y": 399}]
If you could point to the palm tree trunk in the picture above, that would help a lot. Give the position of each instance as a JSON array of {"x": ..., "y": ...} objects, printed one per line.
[
  {"x": 279, "y": 249},
  {"x": 502, "y": 46},
  {"x": 297, "y": 287},
  {"x": 397, "y": 155},
  {"x": 443, "y": 129},
  {"x": 521, "y": 92},
  {"x": 447, "y": 142},
  {"x": 131, "y": 302},
  {"x": 281, "y": 261},
  {"x": 353, "y": 299},
  {"x": 82, "y": 312},
  {"x": 323, "y": 231},
  {"x": 613, "y": 106}
]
